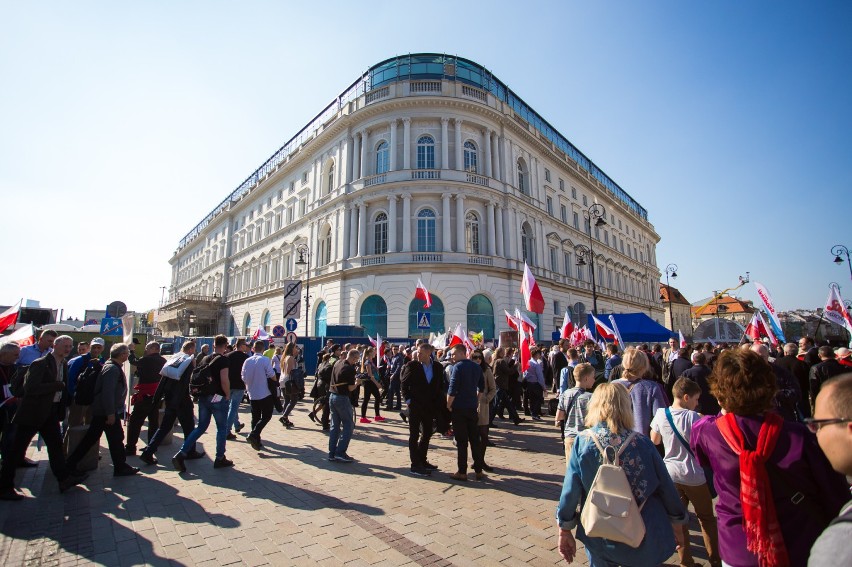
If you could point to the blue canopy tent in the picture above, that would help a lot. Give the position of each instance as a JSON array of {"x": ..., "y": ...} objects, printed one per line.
[{"x": 635, "y": 328}]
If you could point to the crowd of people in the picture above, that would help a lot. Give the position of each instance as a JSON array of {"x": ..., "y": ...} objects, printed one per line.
[{"x": 765, "y": 432}]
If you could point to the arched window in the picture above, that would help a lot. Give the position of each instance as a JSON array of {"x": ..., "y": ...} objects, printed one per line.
[
  {"x": 382, "y": 158},
  {"x": 374, "y": 316},
  {"x": 470, "y": 161},
  {"x": 321, "y": 320},
  {"x": 436, "y": 317},
  {"x": 380, "y": 234},
  {"x": 325, "y": 246},
  {"x": 523, "y": 178},
  {"x": 328, "y": 177},
  {"x": 480, "y": 316},
  {"x": 426, "y": 231},
  {"x": 528, "y": 244},
  {"x": 471, "y": 230},
  {"x": 267, "y": 321},
  {"x": 425, "y": 152},
  {"x": 247, "y": 324}
]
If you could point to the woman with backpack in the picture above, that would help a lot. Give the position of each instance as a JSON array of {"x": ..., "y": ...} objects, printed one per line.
[
  {"x": 292, "y": 383},
  {"x": 618, "y": 479},
  {"x": 372, "y": 385}
]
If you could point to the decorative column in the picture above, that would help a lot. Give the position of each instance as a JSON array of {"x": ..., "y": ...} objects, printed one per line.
[
  {"x": 445, "y": 144},
  {"x": 494, "y": 148},
  {"x": 445, "y": 222},
  {"x": 459, "y": 149},
  {"x": 346, "y": 168},
  {"x": 500, "y": 234},
  {"x": 543, "y": 261},
  {"x": 347, "y": 223},
  {"x": 353, "y": 231},
  {"x": 335, "y": 249},
  {"x": 489, "y": 213},
  {"x": 461, "y": 245},
  {"x": 508, "y": 166},
  {"x": 391, "y": 223},
  {"x": 364, "y": 141},
  {"x": 338, "y": 170},
  {"x": 516, "y": 230},
  {"x": 393, "y": 125},
  {"x": 487, "y": 151},
  {"x": 406, "y": 144},
  {"x": 356, "y": 160},
  {"x": 406, "y": 222},
  {"x": 362, "y": 228}
]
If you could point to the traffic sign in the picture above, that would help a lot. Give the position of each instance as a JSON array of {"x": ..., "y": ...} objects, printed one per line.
[
  {"x": 555, "y": 336},
  {"x": 424, "y": 320},
  {"x": 112, "y": 327},
  {"x": 292, "y": 298},
  {"x": 291, "y": 324},
  {"x": 278, "y": 331},
  {"x": 291, "y": 338}
]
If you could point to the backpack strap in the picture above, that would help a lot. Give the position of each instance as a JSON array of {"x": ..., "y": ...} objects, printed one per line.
[
  {"x": 624, "y": 446},
  {"x": 677, "y": 433},
  {"x": 615, "y": 460}
]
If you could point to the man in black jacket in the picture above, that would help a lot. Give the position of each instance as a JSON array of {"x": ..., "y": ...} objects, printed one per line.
[
  {"x": 421, "y": 382},
  {"x": 40, "y": 411},
  {"x": 676, "y": 369},
  {"x": 700, "y": 373},
  {"x": 827, "y": 367},
  {"x": 791, "y": 363},
  {"x": 148, "y": 370}
]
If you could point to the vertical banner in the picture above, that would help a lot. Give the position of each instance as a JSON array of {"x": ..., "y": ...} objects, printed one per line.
[
  {"x": 835, "y": 309},
  {"x": 774, "y": 322}
]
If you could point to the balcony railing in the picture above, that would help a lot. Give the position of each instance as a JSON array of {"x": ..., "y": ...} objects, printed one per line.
[
  {"x": 481, "y": 260},
  {"x": 477, "y": 179},
  {"x": 376, "y": 180},
  {"x": 427, "y": 258},
  {"x": 374, "y": 261},
  {"x": 425, "y": 173},
  {"x": 425, "y": 86}
]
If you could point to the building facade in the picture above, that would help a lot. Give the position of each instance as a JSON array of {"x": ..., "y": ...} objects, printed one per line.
[
  {"x": 427, "y": 167},
  {"x": 677, "y": 310}
]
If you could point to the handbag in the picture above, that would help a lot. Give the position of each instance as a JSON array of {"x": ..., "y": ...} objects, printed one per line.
[{"x": 708, "y": 471}]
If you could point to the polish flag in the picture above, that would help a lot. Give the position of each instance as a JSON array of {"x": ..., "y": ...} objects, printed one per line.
[
  {"x": 260, "y": 334},
  {"x": 567, "y": 327},
  {"x": 422, "y": 293},
  {"x": 682, "y": 340},
  {"x": 380, "y": 348},
  {"x": 9, "y": 317},
  {"x": 512, "y": 321},
  {"x": 618, "y": 340},
  {"x": 25, "y": 336},
  {"x": 458, "y": 337},
  {"x": 525, "y": 350},
  {"x": 528, "y": 326},
  {"x": 755, "y": 327},
  {"x": 532, "y": 294},
  {"x": 603, "y": 330}
]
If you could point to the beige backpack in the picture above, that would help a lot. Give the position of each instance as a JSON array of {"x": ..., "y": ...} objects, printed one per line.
[{"x": 610, "y": 511}]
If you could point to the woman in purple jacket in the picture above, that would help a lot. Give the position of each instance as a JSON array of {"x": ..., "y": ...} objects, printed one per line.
[{"x": 777, "y": 491}]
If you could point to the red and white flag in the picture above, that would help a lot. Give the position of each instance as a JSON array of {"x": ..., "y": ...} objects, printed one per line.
[
  {"x": 618, "y": 339},
  {"x": 512, "y": 321},
  {"x": 9, "y": 317},
  {"x": 835, "y": 310},
  {"x": 603, "y": 330},
  {"x": 380, "y": 348},
  {"x": 422, "y": 293},
  {"x": 681, "y": 339},
  {"x": 458, "y": 337},
  {"x": 25, "y": 336},
  {"x": 532, "y": 294},
  {"x": 260, "y": 334},
  {"x": 567, "y": 327},
  {"x": 527, "y": 325},
  {"x": 525, "y": 350},
  {"x": 756, "y": 327}
]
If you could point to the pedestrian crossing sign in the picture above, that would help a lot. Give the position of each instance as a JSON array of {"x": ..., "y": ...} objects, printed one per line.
[{"x": 424, "y": 320}]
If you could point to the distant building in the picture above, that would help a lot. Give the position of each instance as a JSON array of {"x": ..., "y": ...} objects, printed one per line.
[
  {"x": 726, "y": 307},
  {"x": 809, "y": 322},
  {"x": 680, "y": 315}
]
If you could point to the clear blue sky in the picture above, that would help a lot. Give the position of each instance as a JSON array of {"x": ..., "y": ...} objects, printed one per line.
[{"x": 123, "y": 124}]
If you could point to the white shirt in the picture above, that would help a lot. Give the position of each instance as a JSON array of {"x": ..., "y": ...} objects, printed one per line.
[
  {"x": 682, "y": 466},
  {"x": 256, "y": 369}
]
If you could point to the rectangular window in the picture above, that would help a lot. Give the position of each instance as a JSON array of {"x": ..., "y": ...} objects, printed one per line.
[
  {"x": 576, "y": 221},
  {"x": 549, "y": 205},
  {"x": 563, "y": 211},
  {"x": 290, "y": 214},
  {"x": 304, "y": 178},
  {"x": 269, "y": 203},
  {"x": 268, "y": 227},
  {"x": 621, "y": 244},
  {"x": 280, "y": 195},
  {"x": 597, "y": 233},
  {"x": 303, "y": 206},
  {"x": 567, "y": 257},
  {"x": 554, "y": 265},
  {"x": 619, "y": 224},
  {"x": 585, "y": 201},
  {"x": 546, "y": 174},
  {"x": 580, "y": 275},
  {"x": 292, "y": 186},
  {"x": 278, "y": 221},
  {"x": 573, "y": 192},
  {"x": 562, "y": 185},
  {"x": 556, "y": 307},
  {"x": 609, "y": 278},
  {"x": 286, "y": 266},
  {"x": 606, "y": 237}
]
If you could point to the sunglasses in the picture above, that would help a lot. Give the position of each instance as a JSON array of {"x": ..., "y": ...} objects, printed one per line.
[{"x": 815, "y": 424}]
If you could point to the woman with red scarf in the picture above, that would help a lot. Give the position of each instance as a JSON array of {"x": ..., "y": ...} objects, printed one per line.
[{"x": 777, "y": 491}]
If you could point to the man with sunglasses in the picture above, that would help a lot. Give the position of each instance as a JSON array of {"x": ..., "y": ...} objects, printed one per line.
[{"x": 832, "y": 423}]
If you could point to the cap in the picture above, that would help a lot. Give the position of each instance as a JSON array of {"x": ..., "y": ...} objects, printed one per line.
[
  {"x": 97, "y": 341},
  {"x": 843, "y": 352}
]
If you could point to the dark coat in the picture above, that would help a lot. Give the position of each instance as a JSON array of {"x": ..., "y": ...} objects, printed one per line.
[
  {"x": 799, "y": 370},
  {"x": 425, "y": 397},
  {"x": 110, "y": 390},
  {"x": 40, "y": 387},
  {"x": 700, "y": 374},
  {"x": 788, "y": 399},
  {"x": 822, "y": 372}
]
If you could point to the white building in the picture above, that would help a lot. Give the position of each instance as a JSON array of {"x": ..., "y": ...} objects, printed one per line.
[{"x": 426, "y": 167}]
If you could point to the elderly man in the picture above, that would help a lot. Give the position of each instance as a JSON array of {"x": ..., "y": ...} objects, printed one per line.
[
  {"x": 40, "y": 411},
  {"x": 32, "y": 352},
  {"x": 107, "y": 412},
  {"x": 828, "y": 367},
  {"x": 148, "y": 371},
  {"x": 92, "y": 362}
]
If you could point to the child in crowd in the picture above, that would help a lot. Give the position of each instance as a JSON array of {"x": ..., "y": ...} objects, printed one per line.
[{"x": 573, "y": 403}]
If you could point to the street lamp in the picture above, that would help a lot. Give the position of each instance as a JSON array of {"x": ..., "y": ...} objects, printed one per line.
[
  {"x": 597, "y": 212},
  {"x": 305, "y": 251},
  {"x": 671, "y": 270},
  {"x": 839, "y": 249}
]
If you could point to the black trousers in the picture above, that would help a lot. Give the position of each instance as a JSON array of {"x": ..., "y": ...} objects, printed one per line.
[
  {"x": 142, "y": 409},
  {"x": 115, "y": 441},
  {"x": 504, "y": 402},
  {"x": 534, "y": 396},
  {"x": 466, "y": 430},
  {"x": 181, "y": 412},
  {"x": 370, "y": 389},
  {"x": 261, "y": 413},
  {"x": 24, "y": 434},
  {"x": 419, "y": 434}
]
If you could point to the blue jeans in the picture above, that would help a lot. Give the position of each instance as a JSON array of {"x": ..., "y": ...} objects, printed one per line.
[
  {"x": 599, "y": 561},
  {"x": 341, "y": 418},
  {"x": 219, "y": 412},
  {"x": 234, "y": 408}
]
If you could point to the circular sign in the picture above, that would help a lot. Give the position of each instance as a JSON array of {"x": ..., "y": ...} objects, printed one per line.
[
  {"x": 116, "y": 309},
  {"x": 278, "y": 331},
  {"x": 291, "y": 324},
  {"x": 291, "y": 337}
]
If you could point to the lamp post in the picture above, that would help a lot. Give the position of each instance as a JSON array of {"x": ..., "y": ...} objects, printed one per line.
[
  {"x": 305, "y": 251},
  {"x": 671, "y": 270},
  {"x": 839, "y": 249},
  {"x": 597, "y": 212}
]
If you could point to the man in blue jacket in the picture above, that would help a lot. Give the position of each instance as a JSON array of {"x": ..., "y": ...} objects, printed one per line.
[{"x": 466, "y": 383}]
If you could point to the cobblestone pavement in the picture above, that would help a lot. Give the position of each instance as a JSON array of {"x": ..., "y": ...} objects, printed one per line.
[{"x": 287, "y": 505}]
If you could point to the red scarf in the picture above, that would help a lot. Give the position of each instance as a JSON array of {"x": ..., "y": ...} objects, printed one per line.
[{"x": 760, "y": 521}]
